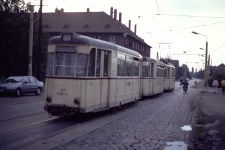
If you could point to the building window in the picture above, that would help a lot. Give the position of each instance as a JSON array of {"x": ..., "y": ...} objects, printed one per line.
[
  {"x": 86, "y": 26},
  {"x": 127, "y": 42},
  {"x": 112, "y": 39},
  {"x": 97, "y": 37}
]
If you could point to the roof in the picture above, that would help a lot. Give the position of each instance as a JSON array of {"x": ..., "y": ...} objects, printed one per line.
[
  {"x": 85, "y": 40},
  {"x": 152, "y": 60},
  {"x": 84, "y": 22}
]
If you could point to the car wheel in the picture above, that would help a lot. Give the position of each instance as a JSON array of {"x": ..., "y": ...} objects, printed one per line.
[
  {"x": 18, "y": 92},
  {"x": 38, "y": 92}
]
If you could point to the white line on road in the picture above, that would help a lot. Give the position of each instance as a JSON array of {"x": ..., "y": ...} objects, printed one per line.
[{"x": 29, "y": 125}]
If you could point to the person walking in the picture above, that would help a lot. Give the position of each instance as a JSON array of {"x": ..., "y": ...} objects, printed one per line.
[
  {"x": 223, "y": 86},
  {"x": 215, "y": 84}
]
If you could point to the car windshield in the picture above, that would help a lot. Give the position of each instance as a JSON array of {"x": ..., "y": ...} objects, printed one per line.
[{"x": 14, "y": 80}]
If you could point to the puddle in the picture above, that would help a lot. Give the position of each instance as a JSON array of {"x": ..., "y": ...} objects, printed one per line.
[
  {"x": 186, "y": 128},
  {"x": 175, "y": 146}
]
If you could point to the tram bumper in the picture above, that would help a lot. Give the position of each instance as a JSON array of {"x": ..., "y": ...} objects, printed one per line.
[{"x": 56, "y": 109}]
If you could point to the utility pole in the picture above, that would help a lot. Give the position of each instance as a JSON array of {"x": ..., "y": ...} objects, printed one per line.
[
  {"x": 206, "y": 66},
  {"x": 31, "y": 8},
  {"x": 39, "y": 42}
]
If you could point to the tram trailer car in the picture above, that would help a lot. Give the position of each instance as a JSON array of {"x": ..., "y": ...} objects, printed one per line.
[
  {"x": 89, "y": 75},
  {"x": 152, "y": 77},
  {"x": 169, "y": 77}
]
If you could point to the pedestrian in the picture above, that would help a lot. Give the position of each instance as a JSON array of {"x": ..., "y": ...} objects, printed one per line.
[
  {"x": 215, "y": 84},
  {"x": 223, "y": 85}
]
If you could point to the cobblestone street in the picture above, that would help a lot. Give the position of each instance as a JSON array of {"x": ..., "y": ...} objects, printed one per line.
[{"x": 158, "y": 122}]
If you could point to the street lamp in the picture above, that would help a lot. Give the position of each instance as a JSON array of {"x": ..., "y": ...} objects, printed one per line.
[{"x": 206, "y": 54}]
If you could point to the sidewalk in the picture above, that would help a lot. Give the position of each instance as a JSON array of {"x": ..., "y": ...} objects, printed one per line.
[{"x": 209, "y": 127}]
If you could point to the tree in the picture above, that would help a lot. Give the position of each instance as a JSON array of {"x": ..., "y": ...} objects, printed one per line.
[
  {"x": 14, "y": 40},
  {"x": 12, "y": 6},
  {"x": 186, "y": 73}
]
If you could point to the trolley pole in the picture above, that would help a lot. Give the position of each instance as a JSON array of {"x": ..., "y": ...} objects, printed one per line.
[{"x": 31, "y": 8}]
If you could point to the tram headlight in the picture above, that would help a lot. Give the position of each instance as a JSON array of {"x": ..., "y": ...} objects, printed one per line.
[
  {"x": 49, "y": 99},
  {"x": 66, "y": 37},
  {"x": 76, "y": 101}
]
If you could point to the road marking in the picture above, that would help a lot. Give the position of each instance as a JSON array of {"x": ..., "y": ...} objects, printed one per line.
[{"x": 29, "y": 125}]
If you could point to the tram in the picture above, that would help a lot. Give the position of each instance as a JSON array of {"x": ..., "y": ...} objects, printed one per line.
[{"x": 84, "y": 75}]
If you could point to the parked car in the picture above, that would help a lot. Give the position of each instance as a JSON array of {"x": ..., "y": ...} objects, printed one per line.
[{"x": 19, "y": 85}]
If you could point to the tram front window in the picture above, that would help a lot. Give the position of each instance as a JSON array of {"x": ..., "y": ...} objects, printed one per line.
[{"x": 65, "y": 64}]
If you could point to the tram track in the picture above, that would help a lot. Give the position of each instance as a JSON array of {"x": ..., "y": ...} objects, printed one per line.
[
  {"x": 28, "y": 125},
  {"x": 21, "y": 117},
  {"x": 87, "y": 126},
  {"x": 39, "y": 130}
]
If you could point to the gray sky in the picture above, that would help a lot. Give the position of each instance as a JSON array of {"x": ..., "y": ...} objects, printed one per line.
[{"x": 173, "y": 26}]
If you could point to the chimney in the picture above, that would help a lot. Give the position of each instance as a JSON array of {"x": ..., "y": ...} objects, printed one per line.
[
  {"x": 115, "y": 14},
  {"x": 111, "y": 12},
  {"x": 135, "y": 28},
  {"x": 129, "y": 23},
  {"x": 56, "y": 10},
  {"x": 88, "y": 10},
  {"x": 120, "y": 17}
]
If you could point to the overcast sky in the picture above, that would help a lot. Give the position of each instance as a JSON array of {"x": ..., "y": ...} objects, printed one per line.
[{"x": 166, "y": 25}]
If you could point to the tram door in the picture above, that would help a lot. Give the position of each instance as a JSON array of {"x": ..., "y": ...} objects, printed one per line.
[{"x": 102, "y": 71}]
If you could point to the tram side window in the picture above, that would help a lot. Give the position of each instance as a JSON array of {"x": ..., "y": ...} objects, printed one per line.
[
  {"x": 106, "y": 63},
  {"x": 120, "y": 67},
  {"x": 160, "y": 72},
  {"x": 129, "y": 68},
  {"x": 50, "y": 61},
  {"x": 145, "y": 71},
  {"x": 98, "y": 65},
  {"x": 81, "y": 68},
  {"x": 166, "y": 72},
  {"x": 152, "y": 69},
  {"x": 173, "y": 73},
  {"x": 91, "y": 65},
  {"x": 136, "y": 68}
]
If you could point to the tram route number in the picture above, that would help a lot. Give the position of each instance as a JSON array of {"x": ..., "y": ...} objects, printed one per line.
[{"x": 62, "y": 92}]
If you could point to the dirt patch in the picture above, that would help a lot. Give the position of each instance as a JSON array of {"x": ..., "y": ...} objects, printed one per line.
[{"x": 208, "y": 132}]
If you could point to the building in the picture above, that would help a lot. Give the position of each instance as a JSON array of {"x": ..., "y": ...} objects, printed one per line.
[
  {"x": 218, "y": 70},
  {"x": 96, "y": 25}
]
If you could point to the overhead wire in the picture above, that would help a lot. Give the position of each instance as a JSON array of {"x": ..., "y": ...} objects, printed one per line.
[
  {"x": 174, "y": 15},
  {"x": 157, "y": 6},
  {"x": 217, "y": 48},
  {"x": 189, "y": 27}
]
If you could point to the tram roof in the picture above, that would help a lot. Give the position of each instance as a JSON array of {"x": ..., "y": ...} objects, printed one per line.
[
  {"x": 170, "y": 65},
  {"x": 151, "y": 60},
  {"x": 85, "y": 40}
]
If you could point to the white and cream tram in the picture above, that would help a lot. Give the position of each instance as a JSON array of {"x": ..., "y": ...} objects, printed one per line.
[
  {"x": 169, "y": 77},
  {"x": 152, "y": 77},
  {"x": 88, "y": 75}
]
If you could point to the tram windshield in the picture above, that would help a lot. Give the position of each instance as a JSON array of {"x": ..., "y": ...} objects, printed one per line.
[{"x": 66, "y": 62}]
